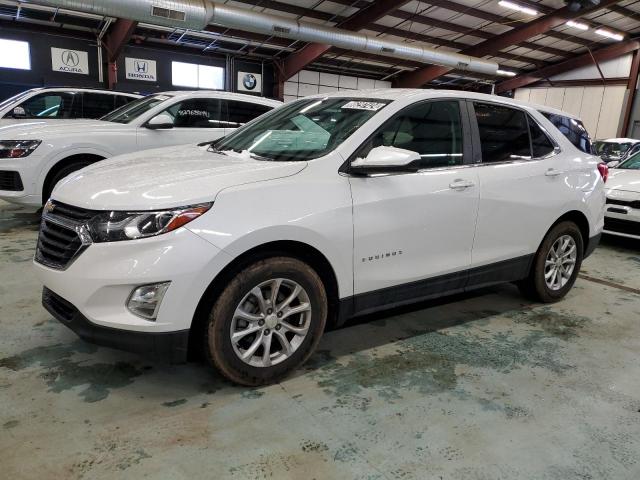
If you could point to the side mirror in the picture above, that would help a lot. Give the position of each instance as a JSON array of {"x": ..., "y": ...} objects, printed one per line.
[
  {"x": 613, "y": 164},
  {"x": 19, "y": 112},
  {"x": 387, "y": 159},
  {"x": 160, "y": 122}
]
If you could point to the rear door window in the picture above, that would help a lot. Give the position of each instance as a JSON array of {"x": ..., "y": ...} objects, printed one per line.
[
  {"x": 541, "y": 145},
  {"x": 504, "y": 133},
  {"x": 243, "y": 112},
  {"x": 96, "y": 105},
  {"x": 122, "y": 100}
]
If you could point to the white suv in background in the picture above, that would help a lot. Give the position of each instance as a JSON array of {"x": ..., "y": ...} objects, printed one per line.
[
  {"x": 58, "y": 103},
  {"x": 329, "y": 207},
  {"x": 35, "y": 156}
]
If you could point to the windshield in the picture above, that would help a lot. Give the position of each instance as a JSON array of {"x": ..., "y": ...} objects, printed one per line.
[
  {"x": 611, "y": 149},
  {"x": 15, "y": 98},
  {"x": 632, "y": 163},
  {"x": 301, "y": 130},
  {"x": 129, "y": 112}
]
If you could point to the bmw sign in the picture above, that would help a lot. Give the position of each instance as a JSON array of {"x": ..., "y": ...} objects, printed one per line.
[
  {"x": 249, "y": 82},
  {"x": 69, "y": 61}
]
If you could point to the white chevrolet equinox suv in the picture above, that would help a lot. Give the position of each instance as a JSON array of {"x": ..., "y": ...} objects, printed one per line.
[{"x": 326, "y": 208}]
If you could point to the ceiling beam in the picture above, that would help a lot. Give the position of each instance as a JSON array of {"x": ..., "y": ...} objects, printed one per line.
[
  {"x": 605, "y": 53},
  {"x": 118, "y": 37},
  {"x": 492, "y": 46},
  {"x": 359, "y": 20},
  {"x": 472, "y": 12}
]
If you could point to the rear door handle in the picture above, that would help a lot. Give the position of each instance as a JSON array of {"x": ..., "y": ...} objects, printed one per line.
[
  {"x": 461, "y": 184},
  {"x": 552, "y": 172}
]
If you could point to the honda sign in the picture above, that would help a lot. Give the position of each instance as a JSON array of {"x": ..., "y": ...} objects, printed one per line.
[{"x": 140, "y": 69}]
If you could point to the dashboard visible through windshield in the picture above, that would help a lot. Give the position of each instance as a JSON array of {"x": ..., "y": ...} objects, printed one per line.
[{"x": 302, "y": 130}]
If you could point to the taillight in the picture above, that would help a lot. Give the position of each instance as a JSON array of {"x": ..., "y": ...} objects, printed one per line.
[{"x": 604, "y": 171}]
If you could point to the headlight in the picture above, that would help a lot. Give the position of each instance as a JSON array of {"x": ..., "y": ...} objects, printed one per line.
[
  {"x": 118, "y": 226},
  {"x": 18, "y": 148}
]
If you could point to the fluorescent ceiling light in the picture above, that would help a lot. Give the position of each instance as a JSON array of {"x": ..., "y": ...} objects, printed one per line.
[
  {"x": 506, "y": 73},
  {"x": 578, "y": 25},
  {"x": 519, "y": 8},
  {"x": 608, "y": 34}
]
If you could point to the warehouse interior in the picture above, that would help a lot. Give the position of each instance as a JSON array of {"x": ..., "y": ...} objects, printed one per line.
[{"x": 482, "y": 384}]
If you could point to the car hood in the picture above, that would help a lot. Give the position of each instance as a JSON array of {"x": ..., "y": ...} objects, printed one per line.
[
  {"x": 166, "y": 177},
  {"x": 623, "y": 180},
  {"x": 10, "y": 130}
]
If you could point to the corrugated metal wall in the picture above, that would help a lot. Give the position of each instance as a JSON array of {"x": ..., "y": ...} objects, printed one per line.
[{"x": 600, "y": 108}]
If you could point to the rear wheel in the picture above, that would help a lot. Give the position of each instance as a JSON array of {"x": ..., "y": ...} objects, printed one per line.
[
  {"x": 556, "y": 264},
  {"x": 267, "y": 321}
]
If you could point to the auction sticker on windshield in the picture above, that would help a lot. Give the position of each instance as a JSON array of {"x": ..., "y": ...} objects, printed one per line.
[{"x": 372, "y": 106}]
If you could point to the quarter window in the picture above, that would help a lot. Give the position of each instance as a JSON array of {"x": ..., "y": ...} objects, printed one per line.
[
  {"x": 197, "y": 113},
  {"x": 432, "y": 129},
  {"x": 573, "y": 129},
  {"x": 504, "y": 133}
]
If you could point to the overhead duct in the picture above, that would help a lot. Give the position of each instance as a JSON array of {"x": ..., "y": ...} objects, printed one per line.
[
  {"x": 191, "y": 14},
  {"x": 197, "y": 14}
]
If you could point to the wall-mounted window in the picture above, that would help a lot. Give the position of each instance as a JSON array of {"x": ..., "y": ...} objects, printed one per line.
[
  {"x": 192, "y": 75},
  {"x": 15, "y": 54}
]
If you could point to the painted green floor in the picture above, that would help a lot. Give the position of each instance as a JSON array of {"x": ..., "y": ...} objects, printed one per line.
[{"x": 483, "y": 386}]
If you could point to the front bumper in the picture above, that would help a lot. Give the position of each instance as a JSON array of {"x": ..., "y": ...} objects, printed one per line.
[
  {"x": 622, "y": 217},
  {"x": 168, "y": 346},
  {"x": 98, "y": 283},
  {"x": 28, "y": 169}
]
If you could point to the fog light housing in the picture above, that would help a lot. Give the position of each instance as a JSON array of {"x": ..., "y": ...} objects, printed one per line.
[{"x": 145, "y": 300}]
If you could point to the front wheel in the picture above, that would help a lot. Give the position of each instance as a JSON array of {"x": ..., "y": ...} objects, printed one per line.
[
  {"x": 556, "y": 264},
  {"x": 267, "y": 321}
]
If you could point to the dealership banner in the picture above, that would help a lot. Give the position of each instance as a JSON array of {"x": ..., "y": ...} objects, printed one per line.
[
  {"x": 69, "y": 61},
  {"x": 140, "y": 69},
  {"x": 249, "y": 82}
]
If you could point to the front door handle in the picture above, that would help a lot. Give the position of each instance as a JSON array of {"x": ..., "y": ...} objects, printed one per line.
[
  {"x": 552, "y": 172},
  {"x": 461, "y": 184}
]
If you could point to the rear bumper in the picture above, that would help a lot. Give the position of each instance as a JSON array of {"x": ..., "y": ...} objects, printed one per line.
[
  {"x": 167, "y": 346},
  {"x": 592, "y": 244}
]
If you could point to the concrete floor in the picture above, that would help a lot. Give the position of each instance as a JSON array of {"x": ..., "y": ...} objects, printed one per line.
[{"x": 482, "y": 386}]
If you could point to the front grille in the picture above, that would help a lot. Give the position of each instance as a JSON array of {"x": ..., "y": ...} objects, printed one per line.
[
  {"x": 58, "y": 305},
  {"x": 10, "y": 181},
  {"x": 626, "y": 203},
  {"x": 622, "y": 226},
  {"x": 59, "y": 241}
]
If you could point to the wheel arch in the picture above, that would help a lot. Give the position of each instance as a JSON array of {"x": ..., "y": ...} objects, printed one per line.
[
  {"x": 580, "y": 219},
  {"x": 56, "y": 167},
  {"x": 290, "y": 248}
]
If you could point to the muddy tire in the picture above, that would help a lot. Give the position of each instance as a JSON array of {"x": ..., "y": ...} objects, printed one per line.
[
  {"x": 556, "y": 264},
  {"x": 266, "y": 322}
]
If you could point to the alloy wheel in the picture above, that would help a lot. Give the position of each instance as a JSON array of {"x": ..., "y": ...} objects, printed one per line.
[
  {"x": 560, "y": 262},
  {"x": 270, "y": 322}
]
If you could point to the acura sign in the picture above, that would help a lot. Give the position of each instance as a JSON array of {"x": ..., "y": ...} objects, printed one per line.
[
  {"x": 69, "y": 61},
  {"x": 140, "y": 69}
]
